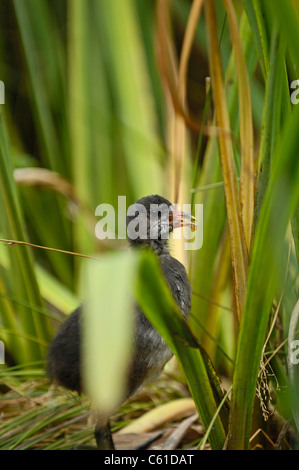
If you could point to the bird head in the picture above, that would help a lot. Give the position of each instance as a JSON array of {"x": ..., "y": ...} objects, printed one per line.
[{"x": 150, "y": 221}]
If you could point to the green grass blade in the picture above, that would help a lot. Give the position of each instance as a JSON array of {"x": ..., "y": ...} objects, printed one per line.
[{"x": 108, "y": 285}]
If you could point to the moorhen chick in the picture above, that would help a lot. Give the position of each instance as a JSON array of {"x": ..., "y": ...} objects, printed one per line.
[{"x": 150, "y": 353}]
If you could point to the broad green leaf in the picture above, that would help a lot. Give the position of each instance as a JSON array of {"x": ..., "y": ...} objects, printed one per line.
[{"x": 107, "y": 286}]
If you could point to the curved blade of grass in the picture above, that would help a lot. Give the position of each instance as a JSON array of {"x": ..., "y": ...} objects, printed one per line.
[
  {"x": 246, "y": 127},
  {"x": 156, "y": 301},
  {"x": 279, "y": 203},
  {"x": 237, "y": 236}
]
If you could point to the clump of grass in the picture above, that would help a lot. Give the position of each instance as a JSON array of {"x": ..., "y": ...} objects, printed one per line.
[{"x": 42, "y": 416}]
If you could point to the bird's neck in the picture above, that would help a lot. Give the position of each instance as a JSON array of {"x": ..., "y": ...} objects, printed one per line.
[{"x": 160, "y": 247}]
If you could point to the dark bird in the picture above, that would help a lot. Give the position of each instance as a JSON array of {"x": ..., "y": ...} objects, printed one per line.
[{"x": 157, "y": 220}]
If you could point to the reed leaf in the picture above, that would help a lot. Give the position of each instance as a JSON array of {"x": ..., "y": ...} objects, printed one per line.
[{"x": 107, "y": 287}]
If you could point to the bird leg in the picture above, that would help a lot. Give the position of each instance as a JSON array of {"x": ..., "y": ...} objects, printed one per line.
[{"x": 103, "y": 435}]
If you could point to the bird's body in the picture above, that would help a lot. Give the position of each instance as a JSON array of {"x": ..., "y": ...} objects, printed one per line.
[{"x": 150, "y": 352}]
